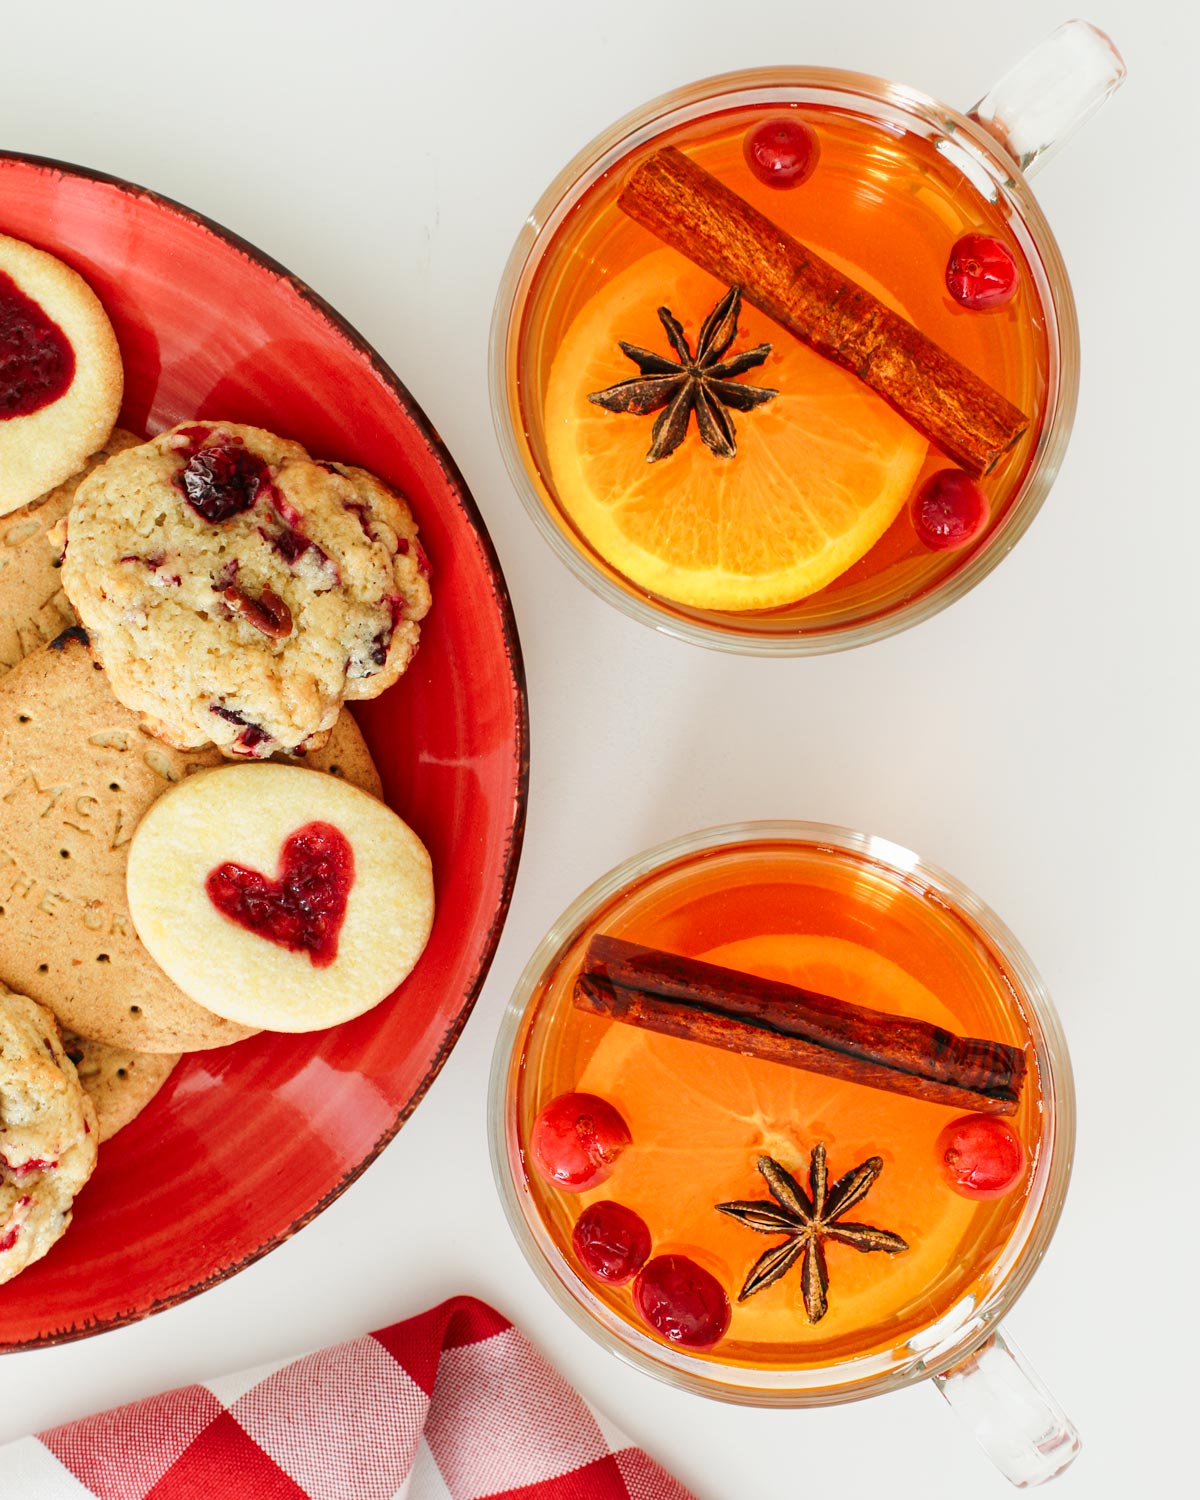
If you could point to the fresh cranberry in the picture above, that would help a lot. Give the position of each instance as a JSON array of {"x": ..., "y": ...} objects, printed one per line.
[
  {"x": 291, "y": 545},
  {"x": 224, "y": 480},
  {"x": 230, "y": 715},
  {"x": 252, "y": 742},
  {"x": 783, "y": 152},
  {"x": 981, "y": 273},
  {"x": 357, "y": 508},
  {"x": 304, "y": 908},
  {"x": 381, "y": 644},
  {"x": 612, "y": 1241},
  {"x": 284, "y": 509},
  {"x": 981, "y": 1156},
  {"x": 949, "y": 510},
  {"x": 682, "y": 1302},
  {"x": 252, "y": 738},
  {"x": 37, "y": 362},
  {"x": 576, "y": 1140}
]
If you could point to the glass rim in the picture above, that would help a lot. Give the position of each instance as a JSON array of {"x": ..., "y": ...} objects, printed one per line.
[
  {"x": 844, "y": 1380},
  {"x": 602, "y": 152}
]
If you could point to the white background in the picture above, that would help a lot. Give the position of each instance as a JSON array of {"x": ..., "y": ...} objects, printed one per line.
[{"x": 1039, "y": 739}]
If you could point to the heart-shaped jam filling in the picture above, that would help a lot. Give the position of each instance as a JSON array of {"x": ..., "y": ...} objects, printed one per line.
[
  {"x": 37, "y": 363},
  {"x": 304, "y": 907}
]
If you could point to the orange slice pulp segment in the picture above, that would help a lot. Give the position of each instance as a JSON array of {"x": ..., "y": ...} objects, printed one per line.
[
  {"x": 820, "y": 472},
  {"x": 701, "y": 1117}
]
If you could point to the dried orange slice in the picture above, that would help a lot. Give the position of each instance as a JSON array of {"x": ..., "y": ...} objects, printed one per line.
[{"x": 819, "y": 474}]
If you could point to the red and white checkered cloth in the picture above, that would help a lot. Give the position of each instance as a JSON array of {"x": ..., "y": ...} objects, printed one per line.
[{"x": 451, "y": 1405}]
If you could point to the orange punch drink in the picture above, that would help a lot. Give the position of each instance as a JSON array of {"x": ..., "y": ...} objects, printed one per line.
[
  {"x": 781, "y": 1114},
  {"x": 786, "y": 360}
]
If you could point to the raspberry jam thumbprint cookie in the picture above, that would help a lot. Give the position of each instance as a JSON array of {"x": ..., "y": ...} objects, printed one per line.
[{"x": 60, "y": 373}]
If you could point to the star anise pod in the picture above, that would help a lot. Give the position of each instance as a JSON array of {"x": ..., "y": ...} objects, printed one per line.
[
  {"x": 705, "y": 382},
  {"x": 807, "y": 1219}
]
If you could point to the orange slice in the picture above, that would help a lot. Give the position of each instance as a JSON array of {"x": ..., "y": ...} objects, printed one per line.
[
  {"x": 701, "y": 1117},
  {"x": 819, "y": 475}
]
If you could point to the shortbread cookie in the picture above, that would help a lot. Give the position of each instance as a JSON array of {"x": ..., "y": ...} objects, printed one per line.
[
  {"x": 48, "y": 1133},
  {"x": 76, "y": 776},
  {"x": 33, "y": 607},
  {"x": 119, "y": 1081},
  {"x": 278, "y": 897},
  {"x": 60, "y": 373},
  {"x": 236, "y": 591}
]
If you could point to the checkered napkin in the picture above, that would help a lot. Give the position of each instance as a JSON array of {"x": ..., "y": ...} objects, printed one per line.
[{"x": 451, "y": 1405}]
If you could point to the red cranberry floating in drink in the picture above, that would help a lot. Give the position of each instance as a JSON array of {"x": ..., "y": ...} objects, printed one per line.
[
  {"x": 981, "y": 1156},
  {"x": 981, "y": 273},
  {"x": 948, "y": 511},
  {"x": 612, "y": 1241},
  {"x": 682, "y": 1302},
  {"x": 576, "y": 1141},
  {"x": 782, "y": 152}
]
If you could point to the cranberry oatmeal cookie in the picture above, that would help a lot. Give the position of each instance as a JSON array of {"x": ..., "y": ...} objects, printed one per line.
[
  {"x": 60, "y": 373},
  {"x": 48, "y": 1134},
  {"x": 33, "y": 607},
  {"x": 236, "y": 590}
]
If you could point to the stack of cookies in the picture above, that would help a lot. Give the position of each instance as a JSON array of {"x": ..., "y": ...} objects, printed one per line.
[{"x": 167, "y": 607}]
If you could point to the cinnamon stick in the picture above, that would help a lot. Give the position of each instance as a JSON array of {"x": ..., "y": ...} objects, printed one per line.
[
  {"x": 784, "y": 1023},
  {"x": 703, "y": 219}
]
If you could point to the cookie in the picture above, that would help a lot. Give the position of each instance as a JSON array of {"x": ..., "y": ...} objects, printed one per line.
[
  {"x": 33, "y": 607},
  {"x": 48, "y": 1134},
  {"x": 76, "y": 776},
  {"x": 119, "y": 1082},
  {"x": 278, "y": 897},
  {"x": 236, "y": 591},
  {"x": 60, "y": 373}
]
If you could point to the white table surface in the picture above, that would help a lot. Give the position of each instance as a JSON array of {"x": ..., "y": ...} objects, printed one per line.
[{"x": 1038, "y": 739}]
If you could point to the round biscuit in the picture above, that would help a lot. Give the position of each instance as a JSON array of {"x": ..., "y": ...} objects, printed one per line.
[
  {"x": 245, "y": 816},
  {"x": 119, "y": 1081}
]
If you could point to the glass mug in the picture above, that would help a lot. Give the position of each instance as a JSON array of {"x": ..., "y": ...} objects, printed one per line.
[
  {"x": 984, "y": 156},
  {"x": 831, "y": 892}
]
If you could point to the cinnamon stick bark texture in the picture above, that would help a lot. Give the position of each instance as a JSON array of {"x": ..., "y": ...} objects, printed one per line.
[
  {"x": 784, "y": 1023},
  {"x": 703, "y": 219}
]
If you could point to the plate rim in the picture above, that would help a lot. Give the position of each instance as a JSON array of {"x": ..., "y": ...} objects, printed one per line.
[{"x": 520, "y": 696}]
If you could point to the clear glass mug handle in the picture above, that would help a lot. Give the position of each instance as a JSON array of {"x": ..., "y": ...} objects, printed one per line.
[
  {"x": 1015, "y": 1419},
  {"x": 1033, "y": 109},
  {"x": 1043, "y": 99}
]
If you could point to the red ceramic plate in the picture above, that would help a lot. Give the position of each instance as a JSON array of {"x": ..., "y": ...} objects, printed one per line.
[{"x": 246, "y": 1144}]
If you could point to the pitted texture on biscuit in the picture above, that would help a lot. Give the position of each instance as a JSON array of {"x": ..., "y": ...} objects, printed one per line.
[
  {"x": 77, "y": 774},
  {"x": 33, "y": 606},
  {"x": 236, "y": 591},
  {"x": 41, "y": 448},
  {"x": 119, "y": 1081},
  {"x": 48, "y": 1133}
]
